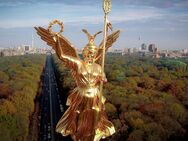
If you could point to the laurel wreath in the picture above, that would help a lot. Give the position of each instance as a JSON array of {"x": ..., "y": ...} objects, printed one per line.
[{"x": 53, "y": 23}]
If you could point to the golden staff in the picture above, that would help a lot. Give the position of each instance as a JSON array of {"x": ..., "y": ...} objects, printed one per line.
[{"x": 106, "y": 8}]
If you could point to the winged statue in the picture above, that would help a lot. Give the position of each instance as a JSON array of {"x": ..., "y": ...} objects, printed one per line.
[{"x": 85, "y": 119}]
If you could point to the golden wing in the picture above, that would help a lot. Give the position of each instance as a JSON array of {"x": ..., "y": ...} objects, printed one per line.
[
  {"x": 57, "y": 41},
  {"x": 110, "y": 40}
]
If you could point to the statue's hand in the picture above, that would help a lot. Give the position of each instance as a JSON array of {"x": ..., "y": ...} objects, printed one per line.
[
  {"x": 55, "y": 38},
  {"x": 105, "y": 80}
]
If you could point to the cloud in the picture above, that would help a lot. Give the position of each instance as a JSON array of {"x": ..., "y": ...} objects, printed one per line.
[
  {"x": 154, "y": 3},
  {"x": 28, "y": 2},
  {"x": 150, "y": 3},
  {"x": 39, "y": 13},
  {"x": 136, "y": 14},
  {"x": 73, "y": 14}
]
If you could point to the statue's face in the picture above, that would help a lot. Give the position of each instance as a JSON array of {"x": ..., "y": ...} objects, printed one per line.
[{"x": 90, "y": 55}]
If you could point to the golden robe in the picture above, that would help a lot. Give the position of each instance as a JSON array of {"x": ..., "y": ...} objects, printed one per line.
[{"x": 85, "y": 119}]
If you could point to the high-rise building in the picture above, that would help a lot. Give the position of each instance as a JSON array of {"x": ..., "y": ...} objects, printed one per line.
[
  {"x": 151, "y": 48},
  {"x": 32, "y": 41},
  {"x": 26, "y": 47}
]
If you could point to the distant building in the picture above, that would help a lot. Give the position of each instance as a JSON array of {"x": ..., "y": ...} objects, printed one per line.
[
  {"x": 130, "y": 50},
  {"x": 26, "y": 47},
  {"x": 185, "y": 51},
  {"x": 143, "y": 47},
  {"x": 151, "y": 48},
  {"x": 164, "y": 53},
  {"x": 1, "y": 53},
  {"x": 135, "y": 50},
  {"x": 118, "y": 51},
  {"x": 125, "y": 51},
  {"x": 43, "y": 51},
  {"x": 5, "y": 53}
]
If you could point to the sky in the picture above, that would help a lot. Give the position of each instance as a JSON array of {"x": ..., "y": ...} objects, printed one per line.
[{"x": 162, "y": 22}]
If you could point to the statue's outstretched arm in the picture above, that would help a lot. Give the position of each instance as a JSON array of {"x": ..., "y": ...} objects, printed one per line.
[{"x": 69, "y": 60}]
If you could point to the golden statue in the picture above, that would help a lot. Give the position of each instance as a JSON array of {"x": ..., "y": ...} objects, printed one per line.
[{"x": 85, "y": 119}]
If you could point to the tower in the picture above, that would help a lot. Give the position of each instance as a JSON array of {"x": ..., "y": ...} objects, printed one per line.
[{"x": 32, "y": 41}]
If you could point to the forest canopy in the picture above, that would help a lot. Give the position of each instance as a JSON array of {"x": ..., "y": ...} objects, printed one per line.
[
  {"x": 147, "y": 98},
  {"x": 19, "y": 78}
]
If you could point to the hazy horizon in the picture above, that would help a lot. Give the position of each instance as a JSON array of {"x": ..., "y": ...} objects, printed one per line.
[{"x": 162, "y": 22}]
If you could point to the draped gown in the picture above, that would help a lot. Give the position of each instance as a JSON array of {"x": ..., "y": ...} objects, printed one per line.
[{"x": 85, "y": 119}]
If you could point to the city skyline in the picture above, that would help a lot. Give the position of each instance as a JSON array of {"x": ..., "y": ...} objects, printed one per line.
[{"x": 162, "y": 22}]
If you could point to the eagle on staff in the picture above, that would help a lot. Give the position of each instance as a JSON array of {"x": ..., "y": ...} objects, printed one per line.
[{"x": 85, "y": 119}]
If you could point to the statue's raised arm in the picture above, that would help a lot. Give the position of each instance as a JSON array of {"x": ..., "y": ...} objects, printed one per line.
[{"x": 63, "y": 48}]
